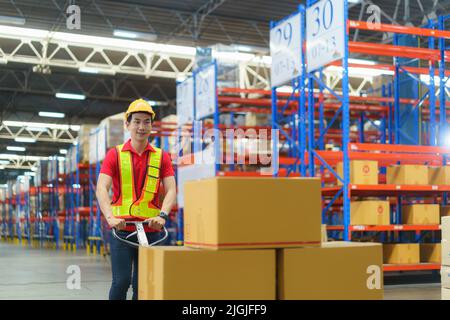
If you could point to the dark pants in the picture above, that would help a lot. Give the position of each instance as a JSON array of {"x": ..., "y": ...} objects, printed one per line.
[{"x": 124, "y": 262}]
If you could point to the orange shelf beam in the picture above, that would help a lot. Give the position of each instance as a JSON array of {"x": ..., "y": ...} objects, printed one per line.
[
  {"x": 382, "y": 27},
  {"x": 395, "y": 51},
  {"x": 411, "y": 267},
  {"x": 392, "y": 227}
]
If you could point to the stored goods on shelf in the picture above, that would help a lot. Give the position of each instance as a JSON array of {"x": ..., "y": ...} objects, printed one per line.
[
  {"x": 430, "y": 252},
  {"x": 409, "y": 174},
  {"x": 401, "y": 253},
  {"x": 421, "y": 214},
  {"x": 439, "y": 175},
  {"x": 361, "y": 172},
  {"x": 369, "y": 213}
]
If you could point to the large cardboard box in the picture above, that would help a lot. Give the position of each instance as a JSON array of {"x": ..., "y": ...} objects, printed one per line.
[
  {"x": 336, "y": 270},
  {"x": 439, "y": 175},
  {"x": 408, "y": 174},
  {"x": 430, "y": 252},
  {"x": 421, "y": 214},
  {"x": 445, "y": 277},
  {"x": 445, "y": 294},
  {"x": 361, "y": 172},
  {"x": 369, "y": 213},
  {"x": 181, "y": 273},
  {"x": 402, "y": 253},
  {"x": 231, "y": 213}
]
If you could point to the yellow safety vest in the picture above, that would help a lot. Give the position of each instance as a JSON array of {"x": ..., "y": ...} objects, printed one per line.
[{"x": 132, "y": 204}]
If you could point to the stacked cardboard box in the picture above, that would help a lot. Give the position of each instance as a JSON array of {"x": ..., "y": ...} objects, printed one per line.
[
  {"x": 109, "y": 133},
  {"x": 242, "y": 242},
  {"x": 401, "y": 253},
  {"x": 408, "y": 174},
  {"x": 439, "y": 175},
  {"x": 83, "y": 143},
  {"x": 421, "y": 214},
  {"x": 361, "y": 172},
  {"x": 445, "y": 256},
  {"x": 369, "y": 212}
]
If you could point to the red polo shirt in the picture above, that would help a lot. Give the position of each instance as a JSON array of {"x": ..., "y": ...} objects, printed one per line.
[{"x": 110, "y": 168}]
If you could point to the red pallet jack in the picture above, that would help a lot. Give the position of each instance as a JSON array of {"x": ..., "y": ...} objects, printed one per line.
[{"x": 141, "y": 236}]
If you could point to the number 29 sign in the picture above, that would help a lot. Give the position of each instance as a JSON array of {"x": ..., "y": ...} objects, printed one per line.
[
  {"x": 285, "y": 49},
  {"x": 325, "y": 32}
]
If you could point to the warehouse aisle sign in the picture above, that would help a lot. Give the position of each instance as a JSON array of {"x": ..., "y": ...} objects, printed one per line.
[
  {"x": 185, "y": 101},
  {"x": 285, "y": 50},
  {"x": 205, "y": 91},
  {"x": 325, "y": 32}
]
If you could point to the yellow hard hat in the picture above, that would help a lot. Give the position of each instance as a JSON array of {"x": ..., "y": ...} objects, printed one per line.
[{"x": 140, "y": 105}]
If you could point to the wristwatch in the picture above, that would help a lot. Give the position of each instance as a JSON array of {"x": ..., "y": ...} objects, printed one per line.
[{"x": 164, "y": 216}]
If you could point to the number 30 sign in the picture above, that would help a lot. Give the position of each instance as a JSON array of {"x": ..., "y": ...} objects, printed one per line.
[{"x": 325, "y": 33}]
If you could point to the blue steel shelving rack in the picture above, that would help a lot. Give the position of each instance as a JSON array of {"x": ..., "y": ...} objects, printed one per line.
[{"x": 390, "y": 120}]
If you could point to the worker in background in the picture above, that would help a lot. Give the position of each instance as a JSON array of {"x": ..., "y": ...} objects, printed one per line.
[{"x": 134, "y": 170}]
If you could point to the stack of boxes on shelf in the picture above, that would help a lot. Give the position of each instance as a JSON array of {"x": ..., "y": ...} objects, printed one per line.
[
  {"x": 377, "y": 212},
  {"x": 108, "y": 134},
  {"x": 239, "y": 246},
  {"x": 445, "y": 254}
]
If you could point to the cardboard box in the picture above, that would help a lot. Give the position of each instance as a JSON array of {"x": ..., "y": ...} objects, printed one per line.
[
  {"x": 439, "y": 175},
  {"x": 402, "y": 253},
  {"x": 369, "y": 213},
  {"x": 445, "y": 252},
  {"x": 421, "y": 214},
  {"x": 445, "y": 277},
  {"x": 232, "y": 213},
  {"x": 181, "y": 273},
  {"x": 445, "y": 294},
  {"x": 336, "y": 270},
  {"x": 444, "y": 211},
  {"x": 445, "y": 228},
  {"x": 430, "y": 252},
  {"x": 408, "y": 174},
  {"x": 361, "y": 172},
  {"x": 83, "y": 142},
  {"x": 324, "y": 233}
]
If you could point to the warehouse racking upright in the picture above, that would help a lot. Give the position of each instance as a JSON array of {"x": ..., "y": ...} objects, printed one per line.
[{"x": 388, "y": 150}]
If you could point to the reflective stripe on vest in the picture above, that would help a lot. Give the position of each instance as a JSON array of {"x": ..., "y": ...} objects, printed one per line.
[{"x": 128, "y": 205}]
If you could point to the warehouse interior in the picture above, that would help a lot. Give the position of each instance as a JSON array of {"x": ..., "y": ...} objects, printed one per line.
[{"x": 327, "y": 118}]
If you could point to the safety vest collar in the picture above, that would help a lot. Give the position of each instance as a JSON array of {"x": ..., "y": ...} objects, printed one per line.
[{"x": 128, "y": 147}]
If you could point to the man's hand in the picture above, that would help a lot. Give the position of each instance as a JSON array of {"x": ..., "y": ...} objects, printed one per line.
[
  {"x": 113, "y": 222},
  {"x": 156, "y": 223}
]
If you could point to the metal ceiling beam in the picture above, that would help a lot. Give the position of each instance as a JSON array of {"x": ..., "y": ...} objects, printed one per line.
[
  {"x": 99, "y": 88},
  {"x": 49, "y": 135}
]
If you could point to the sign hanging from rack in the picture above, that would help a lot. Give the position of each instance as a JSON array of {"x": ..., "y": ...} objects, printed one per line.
[
  {"x": 185, "y": 101},
  {"x": 205, "y": 92},
  {"x": 325, "y": 32},
  {"x": 285, "y": 50}
]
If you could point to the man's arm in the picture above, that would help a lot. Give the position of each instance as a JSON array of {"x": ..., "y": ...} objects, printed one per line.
[
  {"x": 170, "y": 198},
  {"x": 104, "y": 183},
  {"x": 169, "y": 201}
]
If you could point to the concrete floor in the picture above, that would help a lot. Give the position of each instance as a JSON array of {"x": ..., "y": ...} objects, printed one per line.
[{"x": 42, "y": 274}]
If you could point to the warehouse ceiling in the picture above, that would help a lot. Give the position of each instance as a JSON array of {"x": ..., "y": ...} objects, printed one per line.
[{"x": 24, "y": 92}]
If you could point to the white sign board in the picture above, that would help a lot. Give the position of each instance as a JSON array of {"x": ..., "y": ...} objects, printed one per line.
[
  {"x": 205, "y": 92},
  {"x": 185, "y": 101},
  {"x": 325, "y": 32},
  {"x": 285, "y": 49}
]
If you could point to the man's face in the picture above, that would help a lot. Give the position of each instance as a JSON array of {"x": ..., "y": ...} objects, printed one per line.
[{"x": 140, "y": 126}]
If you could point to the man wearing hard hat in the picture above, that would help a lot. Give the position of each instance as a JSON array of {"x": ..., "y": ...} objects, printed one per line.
[{"x": 134, "y": 170}]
